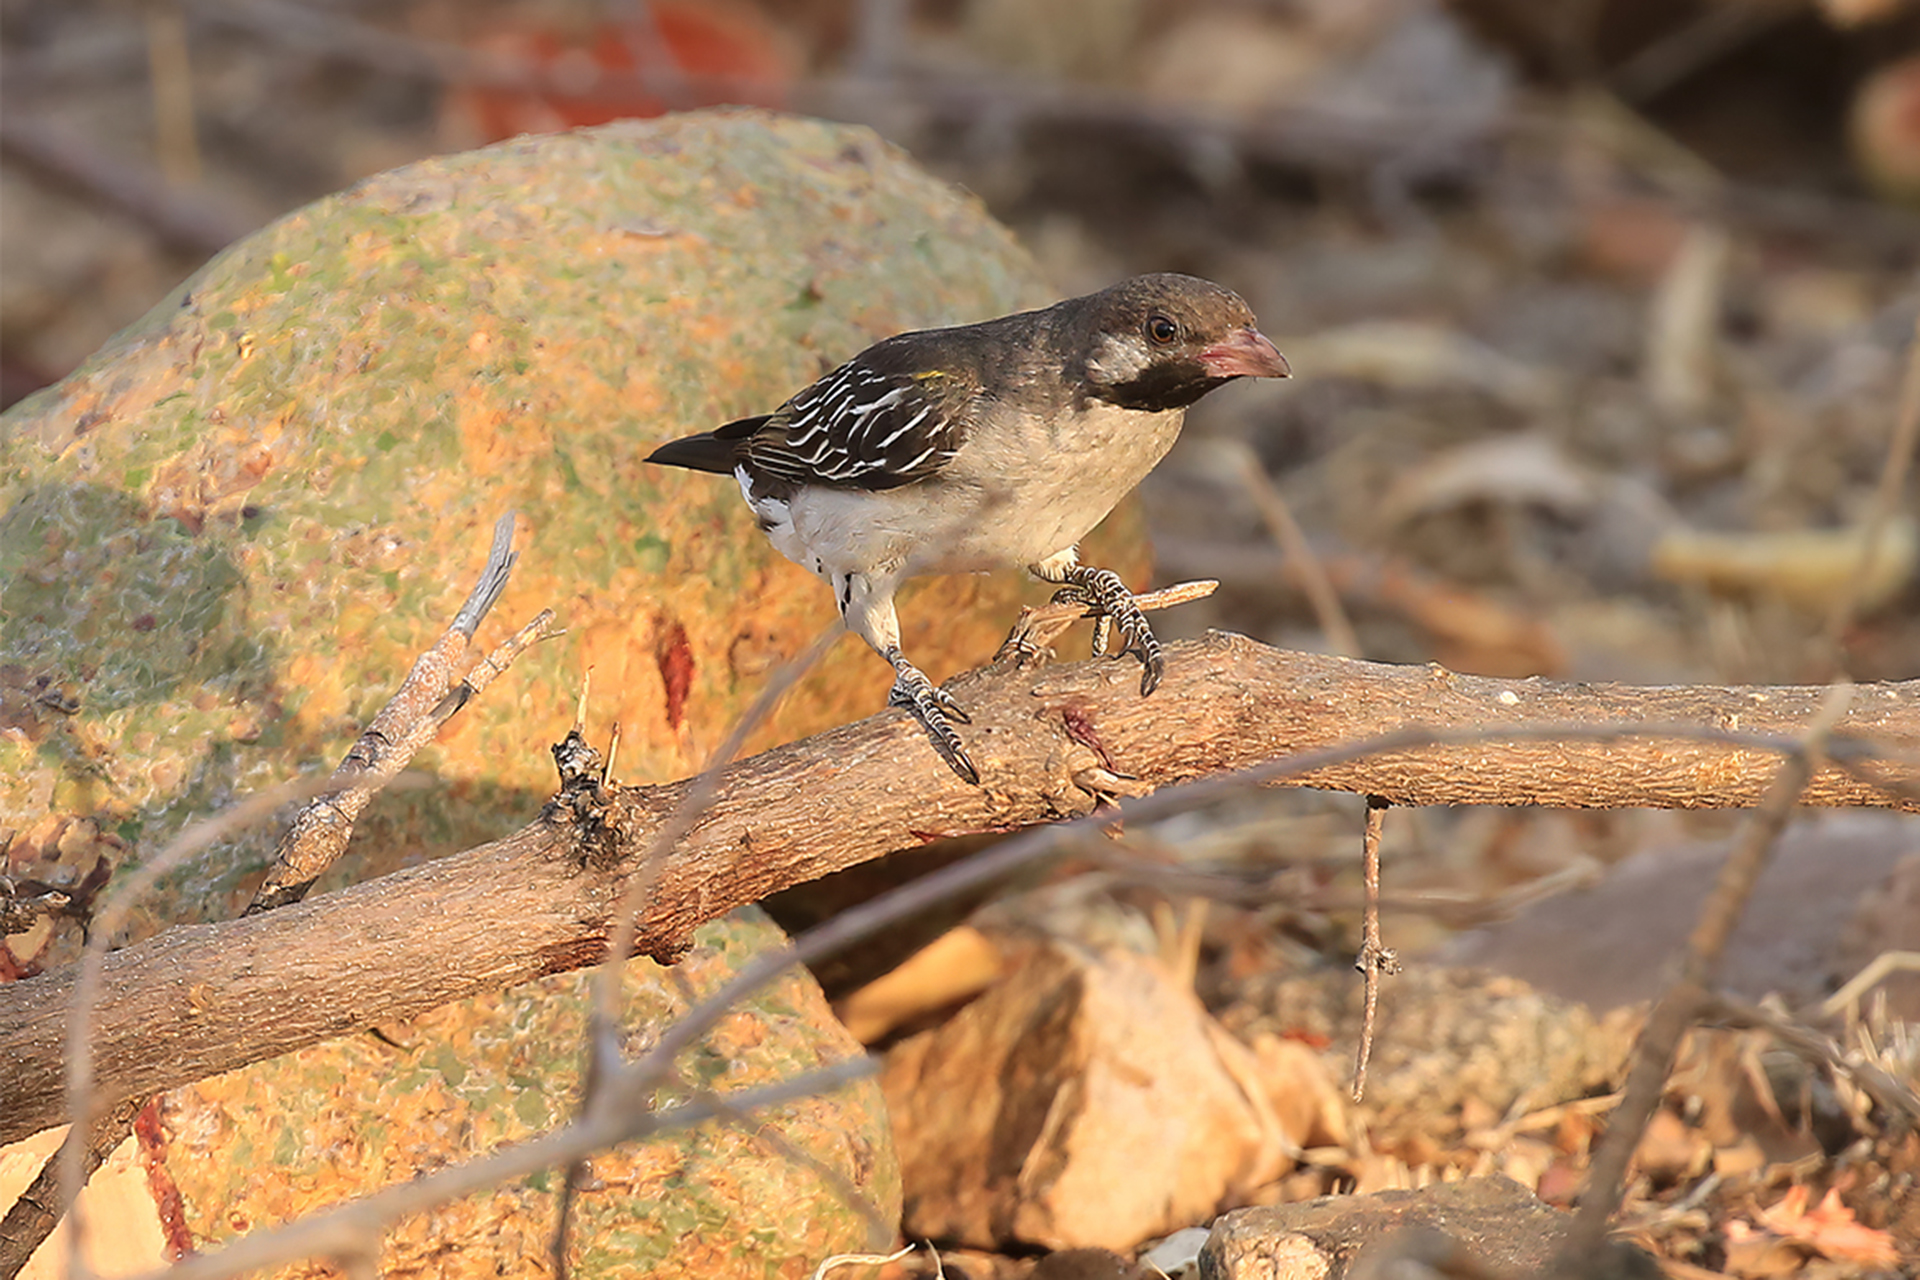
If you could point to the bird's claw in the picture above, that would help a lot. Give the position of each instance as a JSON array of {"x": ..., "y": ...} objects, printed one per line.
[
  {"x": 1102, "y": 591},
  {"x": 935, "y": 709}
]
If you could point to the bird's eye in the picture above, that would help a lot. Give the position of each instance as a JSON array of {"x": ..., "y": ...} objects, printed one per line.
[{"x": 1161, "y": 331}]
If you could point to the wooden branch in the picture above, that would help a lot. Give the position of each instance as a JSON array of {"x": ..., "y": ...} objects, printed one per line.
[{"x": 201, "y": 999}]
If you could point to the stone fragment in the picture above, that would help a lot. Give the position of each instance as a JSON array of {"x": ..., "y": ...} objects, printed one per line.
[
  {"x": 1491, "y": 1224},
  {"x": 1088, "y": 1100}
]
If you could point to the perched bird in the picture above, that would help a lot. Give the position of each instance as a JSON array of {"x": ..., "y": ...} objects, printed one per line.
[{"x": 982, "y": 446}]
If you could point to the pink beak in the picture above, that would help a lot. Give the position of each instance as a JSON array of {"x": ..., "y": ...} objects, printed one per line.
[{"x": 1245, "y": 354}]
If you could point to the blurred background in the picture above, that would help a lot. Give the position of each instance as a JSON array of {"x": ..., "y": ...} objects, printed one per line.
[
  {"x": 1599, "y": 308},
  {"x": 1600, "y": 313}
]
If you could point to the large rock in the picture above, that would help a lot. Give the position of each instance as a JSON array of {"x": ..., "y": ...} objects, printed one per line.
[
  {"x": 769, "y": 1195},
  {"x": 224, "y": 538}
]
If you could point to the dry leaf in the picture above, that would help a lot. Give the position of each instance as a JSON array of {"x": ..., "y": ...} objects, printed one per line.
[
  {"x": 1854, "y": 13},
  {"x": 1807, "y": 569},
  {"x": 1828, "y": 1228}
]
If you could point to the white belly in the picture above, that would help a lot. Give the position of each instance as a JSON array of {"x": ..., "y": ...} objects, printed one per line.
[{"x": 1009, "y": 497}]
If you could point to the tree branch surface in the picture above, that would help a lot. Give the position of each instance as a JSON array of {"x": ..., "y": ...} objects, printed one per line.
[{"x": 198, "y": 1000}]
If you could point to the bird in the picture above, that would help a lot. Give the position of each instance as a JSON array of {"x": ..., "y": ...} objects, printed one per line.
[{"x": 984, "y": 446}]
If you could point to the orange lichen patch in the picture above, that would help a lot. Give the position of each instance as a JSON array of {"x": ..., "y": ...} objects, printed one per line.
[
  {"x": 736, "y": 1035},
  {"x": 325, "y": 700},
  {"x": 702, "y": 329},
  {"x": 213, "y": 478},
  {"x": 643, "y": 403},
  {"x": 487, "y": 446}
]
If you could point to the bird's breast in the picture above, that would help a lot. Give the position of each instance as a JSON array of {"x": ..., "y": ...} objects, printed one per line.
[
  {"x": 1051, "y": 480},
  {"x": 1017, "y": 491}
]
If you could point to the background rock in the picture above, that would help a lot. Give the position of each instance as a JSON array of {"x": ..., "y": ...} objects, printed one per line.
[
  {"x": 285, "y": 1138},
  {"x": 224, "y": 538},
  {"x": 1090, "y": 1102},
  {"x": 1477, "y": 1226},
  {"x": 1807, "y": 928}
]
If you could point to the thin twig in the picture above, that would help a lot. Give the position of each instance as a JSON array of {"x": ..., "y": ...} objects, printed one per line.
[
  {"x": 1697, "y": 45},
  {"x": 401, "y": 726},
  {"x": 606, "y": 992},
  {"x": 28, "y": 1109},
  {"x": 72, "y": 1157},
  {"x": 1293, "y": 544},
  {"x": 603, "y": 1018},
  {"x": 1887, "y": 501},
  {"x": 1000, "y": 860},
  {"x": 1896, "y": 1096},
  {"x": 1679, "y": 1006},
  {"x": 322, "y": 1235},
  {"x": 771, "y": 1140},
  {"x": 1375, "y": 959},
  {"x": 1877, "y": 971},
  {"x": 1038, "y": 626},
  {"x": 426, "y": 699}
]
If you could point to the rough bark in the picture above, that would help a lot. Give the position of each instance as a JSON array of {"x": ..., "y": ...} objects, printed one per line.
[{"x": 203, "y": 999}]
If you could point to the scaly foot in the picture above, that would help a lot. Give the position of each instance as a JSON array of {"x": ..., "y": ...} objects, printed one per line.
[
  {"x": 1102, "y": 590},
  {"x": 934, "y": 708}
]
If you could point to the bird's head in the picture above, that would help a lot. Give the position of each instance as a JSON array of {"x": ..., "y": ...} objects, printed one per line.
[{"x": 1160, "y": 342}]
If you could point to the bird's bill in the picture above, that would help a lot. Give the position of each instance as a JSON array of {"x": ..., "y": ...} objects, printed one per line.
[{"x": 1245, "y": 354}]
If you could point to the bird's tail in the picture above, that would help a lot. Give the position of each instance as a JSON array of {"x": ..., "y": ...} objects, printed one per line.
[
  {"x": 710, "y": 450},
  {"x": 704, "y": 452}
]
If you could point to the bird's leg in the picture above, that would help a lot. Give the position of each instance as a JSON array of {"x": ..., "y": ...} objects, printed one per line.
[
  {"x": 866, "y": 602},
  {"x": 934, "y": 708},
  {"x": 1102, "y": 591}
]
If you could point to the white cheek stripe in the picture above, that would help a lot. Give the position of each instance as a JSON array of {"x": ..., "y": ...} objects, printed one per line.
[{"x": 1118, "y": 359}]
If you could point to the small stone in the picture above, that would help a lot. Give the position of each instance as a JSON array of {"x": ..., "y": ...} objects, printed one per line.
[
  {"x": 1090, "y": 1103},
  {"x": 1491, "y": 1223}
]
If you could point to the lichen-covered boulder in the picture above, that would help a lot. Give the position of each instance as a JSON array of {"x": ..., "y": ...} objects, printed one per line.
[
  {"x": 225, "y": 537},
  {"x": 769, "y": 1195}
]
